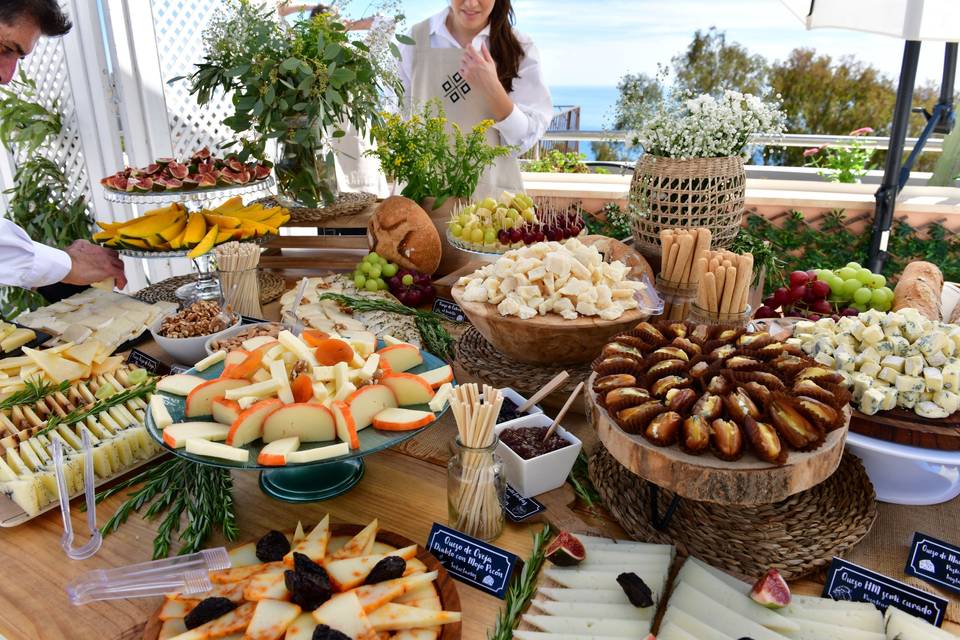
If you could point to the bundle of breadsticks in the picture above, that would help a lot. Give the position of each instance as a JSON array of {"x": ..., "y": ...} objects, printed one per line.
[
  {"x": 724, "y": 279},
  {"x": 682, "y": 249}
]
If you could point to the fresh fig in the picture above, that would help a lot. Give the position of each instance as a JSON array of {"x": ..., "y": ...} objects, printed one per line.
[
  {"x": 207, "y": 180},
  {"x": 202, "y": 154},
  {"x": 191, "y": 182},
  {"x": 261, "y": 172},
  {"x": 165, "y": 161},
  {"x": 151, "y": 169},
  {"x": 132, "y": 184},
  {"x": 173, "y": 184},
  {"x": 771, "y": 590},
  {"x": 235, "y": 165},
  {"x": 144, "y": 184},
  {"x": 565, "y": 550}
]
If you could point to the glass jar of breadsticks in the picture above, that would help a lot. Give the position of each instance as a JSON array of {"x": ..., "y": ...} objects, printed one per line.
[
  {"x": 677, "y": 282},
  {"x": 724, "y": 281},
  {"x": 237, "y": 265},
  {"x": 475, "y": 476}
]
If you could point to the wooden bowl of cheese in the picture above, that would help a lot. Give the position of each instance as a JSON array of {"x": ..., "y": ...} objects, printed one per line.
[{"x": 543, "y": 317}]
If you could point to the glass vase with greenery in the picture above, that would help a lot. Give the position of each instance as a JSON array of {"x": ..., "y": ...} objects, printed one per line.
[
  {"x": 296, "y": 85},
  {"x": 433, "y": 157},
  {"x": 842, "y": 164},
  {"x": 42, "y": 201}
]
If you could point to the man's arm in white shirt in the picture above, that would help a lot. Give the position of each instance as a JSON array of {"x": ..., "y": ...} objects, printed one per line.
[{"x": 27, "y": 263}]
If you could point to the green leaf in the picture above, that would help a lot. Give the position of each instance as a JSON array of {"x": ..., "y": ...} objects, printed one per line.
[
  {"x": 237, "y": 71},
  {"x": 339, "y": 133},
  {"x": 342, "y": 76},
  {"x": 305, "y": 84},
  {"x": 269, "y": 95},
  {"x": 404, "y": 39},
  {"x": 289, "y": 64},
  {"x": 395, "y": 51},
  {"x": 331, "y": 51}
]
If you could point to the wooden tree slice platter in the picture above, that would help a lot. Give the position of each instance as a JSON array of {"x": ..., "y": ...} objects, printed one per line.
[
  {"x": 446, "y": 589},
  {"x": 906, "y": 427},
  {"x": 748, "y": 481}
]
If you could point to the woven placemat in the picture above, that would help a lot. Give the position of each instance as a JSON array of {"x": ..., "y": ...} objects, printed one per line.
[
  {"x": 347, "y": 204},
  {"x": 481, "y": 359},
  {"x": 796, "y": 536},
  {"x": 272, "y": 287}
]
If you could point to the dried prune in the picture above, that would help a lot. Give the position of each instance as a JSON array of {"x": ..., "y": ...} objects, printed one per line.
[
  {"x": 323, "y": 632},
  {"x": 303, "y": 564},
  {"x": 308, "y": 583},
  {"x": 390, "y": 568},
  {"x": 272, "y": 547},
  {"x": 207, "y": 610},
  {"x": 638, "y": 593}
]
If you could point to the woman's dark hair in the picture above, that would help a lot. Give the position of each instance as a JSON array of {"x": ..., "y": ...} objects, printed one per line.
[
  {"x": 505, "y": 49},
  {"x": 317, "y": 10},
  {"x": 47, "y": 14}
]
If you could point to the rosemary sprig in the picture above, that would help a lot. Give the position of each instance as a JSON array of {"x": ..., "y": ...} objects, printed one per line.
[
  {"x": 174, "y": 488},
  {"x": 82, "y": 413},
  {"x": 435, "y": 338},
  {"x": 522, "y": 589},
  {"x": 33, "y": 391},
  {"x": 579, "y": 479}
]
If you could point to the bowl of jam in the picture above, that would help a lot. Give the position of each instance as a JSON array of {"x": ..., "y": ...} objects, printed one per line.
[
  {"x": 532, "y": 465},
  {"x": 511, "y": 402}
]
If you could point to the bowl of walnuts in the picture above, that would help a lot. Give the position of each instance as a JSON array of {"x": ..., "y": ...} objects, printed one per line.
[{"x": 184, "y": 334}]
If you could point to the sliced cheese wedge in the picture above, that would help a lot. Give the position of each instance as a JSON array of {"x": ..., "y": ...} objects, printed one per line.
[
  {"x": 158, "y": 411},
  {"x": 202, "y": 447},
  {"x": 232, "y": 622},
  {"x": 344, "y": 613},
  {"x": 314, "y": 546},
  {"x": 540, "y": 635},
  {"x": 594, "y": 610},
  {"x": 705, "y": 608},
  {"x": 603, "y": 580},
  {"x": 695, "y": 627},
  {"x": 670, "y": 631},
  {"x": 318, "y": 453},
  {"x": 814, "y": 630},
  {"x": 375, "y": 596},
  {"x": 271, "y": 619},
  {"x": 589, "y": 626},
  {"x": 907, "y": 627},
  {"x": 179, "y": 384},
  {"x": 395, "y": 617},
  {"x": 301, "y": 628},
  {"x": 867, "y": 618},
  {"x": 176, "y": 435},
  {"x": 357, "y": 546},
  {"x": 210, "y": 360},
  {"x": 269, "y": 584},
  {"x": 350, "y": 573},
  {"x": 587, "y": 596}
]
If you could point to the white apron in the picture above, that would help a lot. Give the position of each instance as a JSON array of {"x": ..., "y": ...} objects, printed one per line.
[{"x": 436, "y": 74}]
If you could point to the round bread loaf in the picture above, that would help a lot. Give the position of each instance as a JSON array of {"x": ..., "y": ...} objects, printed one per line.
[{"x": 402, "y": 232}]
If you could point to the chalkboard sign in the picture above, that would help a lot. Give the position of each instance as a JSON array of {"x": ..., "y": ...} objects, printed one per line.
[
  {"x": 519, "y": 508},
  {"x": 934, "y": 561},
  {"x": 449, "y": 310},
  {"x": 140, "y": 359},
  {"x": 472, "y": 561},
  {"x": 848, "y": 581}
]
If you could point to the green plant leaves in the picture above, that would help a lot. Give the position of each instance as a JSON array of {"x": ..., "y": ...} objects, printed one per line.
[
  {"x": 404, "y": 39},
  {"x": 289, "y": 64}
]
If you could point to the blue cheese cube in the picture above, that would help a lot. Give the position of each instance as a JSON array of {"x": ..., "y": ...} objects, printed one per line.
[
  {"x": 870, "y": 369},
  {"x": 886, "y": 347},
  {"x": 872, "y": 317},
  {"x": 949, "y": 401},
  {"x": 856, "y": 328},
  {"x": 913, "y": 365},
  {"x": 937, "y": 358},
  {"x": 912, "y": 329},
  {"x": 900, "y": 345},
  {"x": 929, "y": 409},
  {"x": 861, "y": 383},
  {"x": 889, "y": 398},
  {"x": 844, "y": 359},
  {"x": 824, "y": 358},
  {"x": 891, "y": 320},
  {"x": 910, "y": 383},
  {"x": 949, "y": 348},
  {"x": 893, "y": 362},
  {"x": 907, "y": 399},
  {"x": 931, "y": 342},
  {"x": 892, "y": 330},
  {"x": 953, "y": 333},
  {"x": 933, "y": 379},
  {"x": 872, "y": 334},
  {"x": 871, "y": 401},
  {"x": 796, "y": 342},
  {"x": 804, "y": 326},
  {"x": 869, "y": 354},
  {"x": 888, "y": 375},
  {"x": 951, "y": 377}
]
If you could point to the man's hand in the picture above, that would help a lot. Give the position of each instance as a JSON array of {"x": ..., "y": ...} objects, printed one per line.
[{"x": 91, "y": 263}]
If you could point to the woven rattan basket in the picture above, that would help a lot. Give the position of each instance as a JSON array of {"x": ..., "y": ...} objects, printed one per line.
[{"x": 697, "y": 192}]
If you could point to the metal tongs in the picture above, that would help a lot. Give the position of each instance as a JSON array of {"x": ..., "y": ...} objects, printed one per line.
[{"x": 92, "y": 545}]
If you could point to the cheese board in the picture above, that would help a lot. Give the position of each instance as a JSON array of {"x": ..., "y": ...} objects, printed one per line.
[
  {"x": 341, "y": 534},
  {"x": 705, "y": 478}
]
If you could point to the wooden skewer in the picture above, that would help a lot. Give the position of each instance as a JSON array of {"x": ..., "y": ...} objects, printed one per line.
[
  {"x": 547, "y": 389},
  {"x": 563, "y": 411}
]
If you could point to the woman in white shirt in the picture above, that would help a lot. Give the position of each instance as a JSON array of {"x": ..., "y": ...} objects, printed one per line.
[{"x": 470, "y": 57}]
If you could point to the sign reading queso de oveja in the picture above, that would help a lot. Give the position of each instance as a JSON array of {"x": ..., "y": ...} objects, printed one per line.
[
  {"x": 472, "y": 561},
  {"x": 935, "y": 561}
]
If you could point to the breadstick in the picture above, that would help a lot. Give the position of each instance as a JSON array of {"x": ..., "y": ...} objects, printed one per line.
[
  {"x": 720, "y": 276},
  {"x": 729, "y": 287},
  {"x": 744, "y": 278},
  {"x": 698, "y": 270},
  {"x": 699, "y": 251},
  {"x": 671, "y": 260},
  {"x": 684, "y": 255},
  {"x": 714, "y": 264},
  {"x": 710, "y": 286}
]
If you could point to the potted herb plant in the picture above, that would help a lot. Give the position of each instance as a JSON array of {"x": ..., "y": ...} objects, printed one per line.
[
  {"x": 294, "y": 85},
  {"x": 691, "y": 173},
  {"x": 438, "y": 163}
]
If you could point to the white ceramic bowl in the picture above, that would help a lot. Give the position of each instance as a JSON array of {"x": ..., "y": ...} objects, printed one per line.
[
  {"x": 229, "y": 333},
  {"x": 186, "y": 351},
  {"x": 543, "y": 473},
  {"x": 902, "y": 474},
  {"x": 517, "y": 399}
]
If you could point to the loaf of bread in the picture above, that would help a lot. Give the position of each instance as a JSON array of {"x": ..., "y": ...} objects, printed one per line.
[
  {"x": 920, "y": 288},
  {"x": 955, "y": 316},
  {"x": 402, "y": 232}
]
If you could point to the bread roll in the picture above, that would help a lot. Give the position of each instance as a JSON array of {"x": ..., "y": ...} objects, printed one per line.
[
  {"x": 402, "y": 232},
  {"x": 920, "y": 288}
]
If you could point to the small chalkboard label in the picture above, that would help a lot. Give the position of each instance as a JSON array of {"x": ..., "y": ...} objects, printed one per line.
[
  {"x": 848, "y": 581},
  {"x": 472, "y": 561},
  {"x": 934, "y": 561},
  {"x": 449, "y": 310},
  {"x": 140, "y": 359},
  {"x": 519, "y": 508},
  {"x": 249, "y": 320},
  {"x": 178, "y": 368}
]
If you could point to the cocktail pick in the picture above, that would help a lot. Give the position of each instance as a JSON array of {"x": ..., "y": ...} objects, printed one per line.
[
  {"x": 547, "y": 389},
  {"x": 563, "y": 412},
  {"x": 92, "y": 545}
]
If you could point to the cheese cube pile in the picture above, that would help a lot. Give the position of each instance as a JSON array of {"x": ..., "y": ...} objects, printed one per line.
[
  {"x": 569, "y": 279},
  {"x": 888, "y": 360}
]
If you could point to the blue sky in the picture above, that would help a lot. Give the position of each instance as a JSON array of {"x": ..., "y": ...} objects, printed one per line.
[{"x": 594, "y": 42}]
